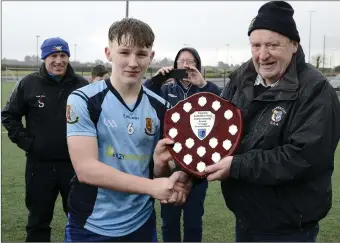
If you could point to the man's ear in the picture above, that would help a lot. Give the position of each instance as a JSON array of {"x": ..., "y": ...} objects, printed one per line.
[
  {"x": 152, "y": 56},
  {"x": 108, "y": 54},
  {"x": 295, "y": 46}
]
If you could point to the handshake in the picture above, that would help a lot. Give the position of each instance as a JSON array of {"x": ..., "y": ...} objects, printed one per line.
[
  {"x": 176, "y": 188},
  {"x": 173, "y": 189}
]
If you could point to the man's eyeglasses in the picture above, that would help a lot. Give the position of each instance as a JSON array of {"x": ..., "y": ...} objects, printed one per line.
[{"x": 187, "y": 61}]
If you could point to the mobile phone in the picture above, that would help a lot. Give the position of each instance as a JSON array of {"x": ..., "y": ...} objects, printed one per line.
[
  {"x": 178, "y": 74},
  {"x": 175, "y": 73}
]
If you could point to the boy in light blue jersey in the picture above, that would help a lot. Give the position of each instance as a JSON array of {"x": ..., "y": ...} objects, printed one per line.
[{"x": 114, "y": 127}]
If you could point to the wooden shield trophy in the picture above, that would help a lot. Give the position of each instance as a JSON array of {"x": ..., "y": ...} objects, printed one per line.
[{"x": 205, "y": 128}]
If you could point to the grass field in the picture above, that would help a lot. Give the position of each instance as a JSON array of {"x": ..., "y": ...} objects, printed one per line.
[
  {"x": 21, "y": 73},
  {"x": 218, "y": 221}
]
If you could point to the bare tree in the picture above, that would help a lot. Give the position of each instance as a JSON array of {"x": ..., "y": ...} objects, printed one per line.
[
  {"x": 223, "y": 65},
  {"x": 35, "y": 58},
  {"x": 99, "y": 62},
  {"x": 317, "y": 60},
  {"x": 27, "y": 58}
]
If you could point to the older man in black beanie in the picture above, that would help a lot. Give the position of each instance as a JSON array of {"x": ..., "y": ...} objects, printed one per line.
[{"x": 278, "y": 183}]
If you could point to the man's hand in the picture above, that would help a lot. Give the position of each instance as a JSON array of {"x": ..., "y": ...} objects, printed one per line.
[
  {"x": 183, "y": 182},
  {"x": 219, "y": 171},
  {"x": 195, "y": 77},
  {"x": 164, "y": 70},
  {"x": 181, "y": 189},
  {"x": 161, "y": 155},
  {"x": 163, "y": 188}
]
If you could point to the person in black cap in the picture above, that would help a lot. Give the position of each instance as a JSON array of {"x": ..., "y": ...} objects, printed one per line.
[
  {"x": 278, "y": 183},
  {"x": 41, "y": 97},
  {"x": 175, "y": 91}
]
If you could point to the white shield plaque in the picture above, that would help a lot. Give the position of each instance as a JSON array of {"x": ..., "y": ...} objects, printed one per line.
[{"x": 201, "y": 123}]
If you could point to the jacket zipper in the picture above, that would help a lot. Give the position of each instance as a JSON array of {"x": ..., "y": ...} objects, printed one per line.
[
  {"x": 65, "y": 86},
  {"x": 185, "y": 94},
  {"x": 60, "y": 93}
]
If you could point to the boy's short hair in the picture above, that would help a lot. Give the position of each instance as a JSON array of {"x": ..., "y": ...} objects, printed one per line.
[
  {"x": 138, "y": 33},
  {"x": 98, "y": 71}
]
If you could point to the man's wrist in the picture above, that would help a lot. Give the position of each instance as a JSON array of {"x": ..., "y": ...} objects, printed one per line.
[
  {"x": 203, "y": 84},
  {"x": 162, "y": 170}
]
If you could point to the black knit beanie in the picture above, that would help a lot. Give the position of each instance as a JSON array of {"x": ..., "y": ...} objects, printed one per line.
[{"x": 276, "y": 16}]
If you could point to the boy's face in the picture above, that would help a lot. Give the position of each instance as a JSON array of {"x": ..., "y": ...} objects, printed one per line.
[{"x": 129, "y": 63}]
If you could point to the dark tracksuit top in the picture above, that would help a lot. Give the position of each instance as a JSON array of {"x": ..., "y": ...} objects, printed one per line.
[
  {"x": 175, "y": 92},
  {"x": 281, "y": 173},
  {"x": 42, "y": 101}
]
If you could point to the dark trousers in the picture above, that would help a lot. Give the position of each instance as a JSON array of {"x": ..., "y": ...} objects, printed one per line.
[
  {"x": 154, "y": 233},
  {"x": 193, "y": 211},
  {"x": 44, "y": 181},
  {"x": 77, "y": 233},
  {"x": 307, "y": 234}
]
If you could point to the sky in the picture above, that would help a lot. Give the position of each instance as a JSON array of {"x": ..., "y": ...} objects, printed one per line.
[{"x": 207, "y": 26}]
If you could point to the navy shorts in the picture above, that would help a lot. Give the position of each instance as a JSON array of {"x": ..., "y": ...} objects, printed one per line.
[{"x": 77, "y": 233}]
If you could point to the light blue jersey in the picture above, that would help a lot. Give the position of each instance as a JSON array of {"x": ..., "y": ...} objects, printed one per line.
[{"x": 127, "y": 135}]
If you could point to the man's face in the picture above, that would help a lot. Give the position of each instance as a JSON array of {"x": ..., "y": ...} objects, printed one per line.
[
  {"x": 129, "y": 63},
  {"x": 105, "y": 76},
  {"x": 56, "y": 63},
  {"x": 185, "y": 59},
  {"x": 271, "y": 53}
]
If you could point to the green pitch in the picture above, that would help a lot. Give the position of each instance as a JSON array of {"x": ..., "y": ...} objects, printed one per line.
[{"x": 218, "y": 221}]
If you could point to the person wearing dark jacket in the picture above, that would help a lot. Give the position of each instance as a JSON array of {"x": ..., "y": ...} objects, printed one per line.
[
  {"x": 175, "y": 91},
  {"x": 278, "y": 183},
  {"x": 41, "y": 97}
]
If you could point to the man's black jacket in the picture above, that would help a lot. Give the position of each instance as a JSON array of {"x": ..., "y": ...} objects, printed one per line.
[
  {"x": 281, "y": 173},
  {"x": 42, "y": 100}
]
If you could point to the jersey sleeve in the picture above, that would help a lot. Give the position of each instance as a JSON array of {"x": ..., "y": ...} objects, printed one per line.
[
  {"x": 78, "y": 118},
  {"x": 164, "y": 108}
]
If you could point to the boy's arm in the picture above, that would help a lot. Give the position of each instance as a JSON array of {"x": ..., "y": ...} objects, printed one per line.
[
  {"x": 83, "y": 150},
  {"x": 84, "y": 155}
]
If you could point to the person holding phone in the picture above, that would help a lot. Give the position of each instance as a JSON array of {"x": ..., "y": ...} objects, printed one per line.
[{"x": 183, "y": 85}]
